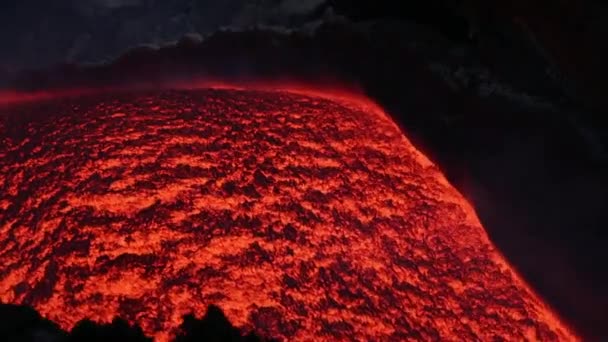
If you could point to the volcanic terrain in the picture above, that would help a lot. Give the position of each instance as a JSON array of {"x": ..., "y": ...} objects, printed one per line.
[{"x": 303, "y": 215}]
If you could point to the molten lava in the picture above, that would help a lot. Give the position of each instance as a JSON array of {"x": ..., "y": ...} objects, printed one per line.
[{"x": 303, "y": 215}]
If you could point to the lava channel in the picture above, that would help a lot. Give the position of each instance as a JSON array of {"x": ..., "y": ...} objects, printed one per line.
[{"x": 305, "y": 216}]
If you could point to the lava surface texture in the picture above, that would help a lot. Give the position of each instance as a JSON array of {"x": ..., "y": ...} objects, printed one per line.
[{"x": 303, "y": 217}]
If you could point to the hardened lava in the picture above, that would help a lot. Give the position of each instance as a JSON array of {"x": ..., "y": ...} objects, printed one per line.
[{"x": 305, "y": 216}]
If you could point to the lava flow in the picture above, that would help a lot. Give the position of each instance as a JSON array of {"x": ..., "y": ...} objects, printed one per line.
[{"x": 305, "y": 216}]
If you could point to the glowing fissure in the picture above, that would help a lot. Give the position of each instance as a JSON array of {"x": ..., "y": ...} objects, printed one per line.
[{"x": 305, "y": 215}]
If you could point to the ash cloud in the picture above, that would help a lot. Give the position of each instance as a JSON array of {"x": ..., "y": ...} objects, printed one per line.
[{"x": 38, "y": 34}]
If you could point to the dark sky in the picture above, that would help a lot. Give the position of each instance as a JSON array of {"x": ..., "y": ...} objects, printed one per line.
[{"x": 38, "y": 33}]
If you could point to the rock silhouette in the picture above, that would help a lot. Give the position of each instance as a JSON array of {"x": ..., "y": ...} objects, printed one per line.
[{"x": 20, "y": 323}]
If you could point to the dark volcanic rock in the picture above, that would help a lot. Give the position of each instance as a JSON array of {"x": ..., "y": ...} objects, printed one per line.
[{"x": 24, "y": 324}]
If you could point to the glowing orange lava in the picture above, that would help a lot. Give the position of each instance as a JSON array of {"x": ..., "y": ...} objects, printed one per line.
[{"x": 305, "y": 215}]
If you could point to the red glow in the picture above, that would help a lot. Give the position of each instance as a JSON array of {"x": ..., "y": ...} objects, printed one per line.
[{"x": 302, "y": 212}]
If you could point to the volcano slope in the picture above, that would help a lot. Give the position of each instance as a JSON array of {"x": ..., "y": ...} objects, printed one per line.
[{"x": 302, "y": 217}]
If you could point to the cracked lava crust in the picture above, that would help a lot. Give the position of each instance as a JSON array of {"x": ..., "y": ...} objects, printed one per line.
[{"x": 304, "y": 217}]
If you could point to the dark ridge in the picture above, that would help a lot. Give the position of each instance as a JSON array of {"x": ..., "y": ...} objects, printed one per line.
[
  {"x": 213, "y": 327},
  {"x": 23, "y": 323},
  {"x": 20, "y": 323},
  {"x": 117, "y": 330}
]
